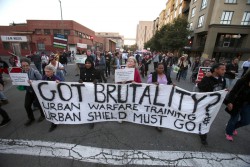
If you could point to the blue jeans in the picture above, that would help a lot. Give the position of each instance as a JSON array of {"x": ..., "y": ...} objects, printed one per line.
[{"x": 239, "y": 120}]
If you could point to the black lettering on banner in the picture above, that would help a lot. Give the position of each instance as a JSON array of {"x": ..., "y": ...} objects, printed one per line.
[
  {"x": 122, "y": 115},
  {"x": 60, "y": 91},
  {"x": 91, "y": 116},
  {"x": 78, "y": 86},
  {"x": 156, "y": 95},
  {"x": 119, "y": 94},
  {"x": 197, "y": 101},
  {"x": 146, "y": 93},
  {"x": 135, "y": 86},
  {"x": 182, "y": 95},
  {"x": 99, "y": 93},
  {"x": 63, "y": 117},
  {"x": 111, "y": 89},
  {"x": 212, "y": 104},
  {"x": 189, "y": 126},
  {"x": 148, "y": 118},
  {"x": 41, "y": 92},
  {"x": 171, "y": 97}
]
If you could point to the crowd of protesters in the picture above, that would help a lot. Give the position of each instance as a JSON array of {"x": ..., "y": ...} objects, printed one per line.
[{"x": 99, "y": 66}]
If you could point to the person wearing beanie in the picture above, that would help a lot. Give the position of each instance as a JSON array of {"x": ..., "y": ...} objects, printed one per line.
[{"x": 89, "y": 74}]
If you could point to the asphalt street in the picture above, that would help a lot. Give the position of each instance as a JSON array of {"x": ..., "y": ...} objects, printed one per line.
[{"x": 16, "y": 140}]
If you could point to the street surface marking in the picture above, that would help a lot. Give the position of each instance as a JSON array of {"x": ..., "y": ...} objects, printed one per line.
[{"x": 121, "y": 157}]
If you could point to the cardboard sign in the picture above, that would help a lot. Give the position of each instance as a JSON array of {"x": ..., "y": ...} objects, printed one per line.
[
  {"x": 125, "y": 74},
  {"x": 17, "y": 77}
]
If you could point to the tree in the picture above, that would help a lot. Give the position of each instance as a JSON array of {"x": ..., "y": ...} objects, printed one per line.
[{"x": 172, "y": 36}]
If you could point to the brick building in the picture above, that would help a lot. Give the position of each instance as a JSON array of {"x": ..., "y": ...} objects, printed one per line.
[{"x": 38, "y": 35}]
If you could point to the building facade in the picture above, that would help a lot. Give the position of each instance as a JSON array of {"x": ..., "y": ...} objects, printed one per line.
[
  {"x": 144, "y": 33},
  {"x": 220, "y": 29},
  {"x": 43, "y": 35},
  {"x": 114, "y": 36}
]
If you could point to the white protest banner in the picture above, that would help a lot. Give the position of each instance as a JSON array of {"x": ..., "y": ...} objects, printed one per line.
[
  {"x": 17, "y": 77},
  {"x": 80, "y": 59},
  {"x": 125, "y": 74},
  {"x": 154, "y": 105}
]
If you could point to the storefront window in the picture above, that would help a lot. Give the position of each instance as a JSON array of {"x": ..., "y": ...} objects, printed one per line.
[
  {"x": 6, "y": 45},
  {"x": 56, "y": 31},
  {"x": 24, "y": 45},
  {"x": 47, "y": 31},
  {"x": 66, "y": 32},
  {"x": 41, "y": 46},
  {"x": 38, "y": 31}
]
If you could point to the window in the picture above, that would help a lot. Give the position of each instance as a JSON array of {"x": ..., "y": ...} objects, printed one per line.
[
  {"x": 6, "y": 45},
  {"x": 201, "y": 21},
  {"x": 226, "y": 17},
  {"x": 38, "y": 31},
  {"x": 193, "y": 12},
  {"x": 24, "y": 45},
  {"x": 47, "y": 31},
  {"x": 230, "y": 1},
  {"x": 204, "y": 4},
  {"x": 56, "y": 31},
  {"x": 66, "y": 32},
  {"x": 246, "y": 19},
  {"x": 41, "y": 46},
  {"x": 191, "y": 26},
  {"x": 175, "y": 13},
  {"x": 176, "y": 4},
  {"x": 180, "y": 10}
]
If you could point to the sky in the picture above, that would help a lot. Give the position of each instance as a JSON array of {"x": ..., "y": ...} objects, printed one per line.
[{"x": 120, "y": 16}]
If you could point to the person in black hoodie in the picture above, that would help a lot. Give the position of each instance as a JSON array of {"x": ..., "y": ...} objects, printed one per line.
[
  {"x": 238, "y": 106},
  {"x": 89, "y": 74},
  {"x": 214, "y": 82}
]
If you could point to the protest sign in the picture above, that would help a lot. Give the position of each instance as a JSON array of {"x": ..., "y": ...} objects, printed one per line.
[
  {"x": 17, "y": 77},
  {"x": 148, "y": 104},
  {"x": 80, "y": 59},
  {"x": 125, "y": 74},
  {"x": 201, "y": 73}
]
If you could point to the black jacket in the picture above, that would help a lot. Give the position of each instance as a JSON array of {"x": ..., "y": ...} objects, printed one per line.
[
  {"x": 211, "y": 84},
  {"x": 90, "y": 75}
]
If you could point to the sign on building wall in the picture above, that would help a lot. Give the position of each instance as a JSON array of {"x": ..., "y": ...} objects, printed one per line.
[
  {"x": 81, "y": 45},
  {"x": 60, "y": 41},
  {"x": 6, "y": 38}
]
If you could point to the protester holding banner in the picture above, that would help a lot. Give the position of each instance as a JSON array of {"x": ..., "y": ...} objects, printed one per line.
[
  {"x": 159, "y": 77},
  {"x": 238, "y": 106},
  {"x": 50, "y": 76},
  {"x": 59, "y": 67},
  {"x": 30, "y": 95},
  {"x": 131, "y": 63},
  {"x": 90, "y": 74},
  {"x": 215, "y": 82}
]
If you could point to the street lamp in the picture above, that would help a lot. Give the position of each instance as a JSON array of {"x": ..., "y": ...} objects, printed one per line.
[{"x": 61, "y": 9}]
